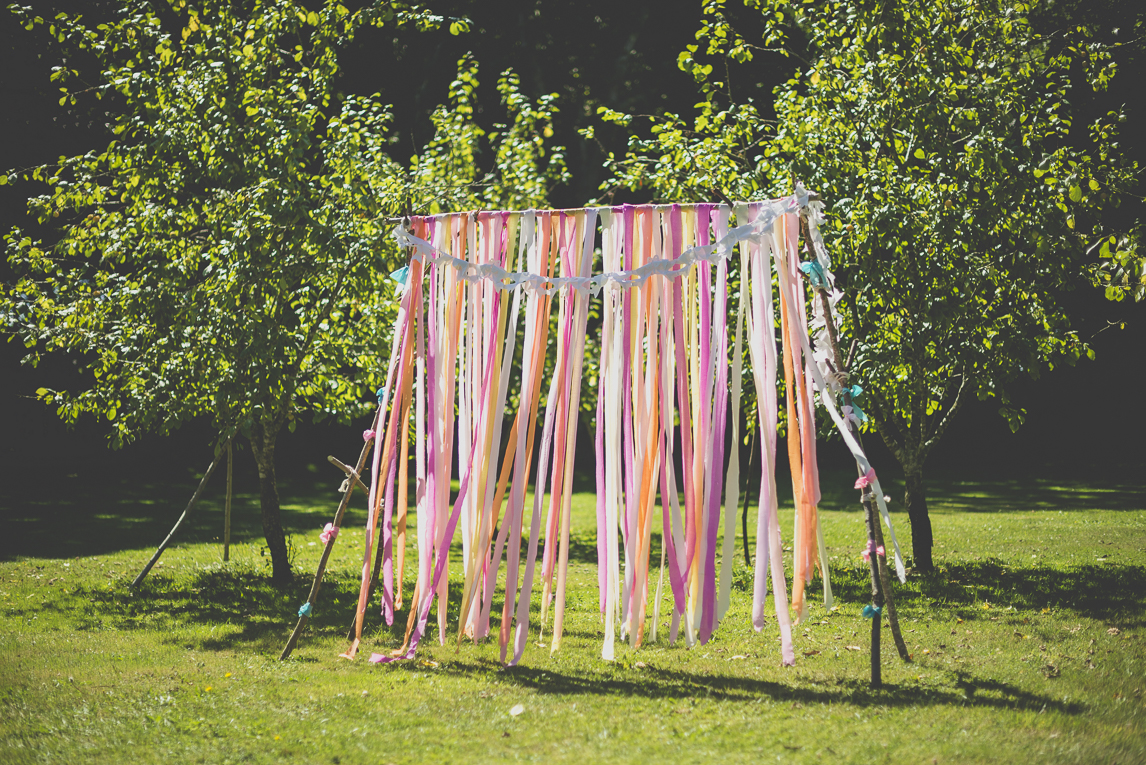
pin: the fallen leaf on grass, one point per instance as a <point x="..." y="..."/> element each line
<point x="516" y="710"/>
<point x="810" y="653"/>
<point x="853" y="647"/>
<point x="1113" y="631"/>
<point x="1050" y="671"/>
<point x="737" y="656"/>
<point x="640" y="665"/>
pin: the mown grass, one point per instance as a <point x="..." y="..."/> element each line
<point x="1027" y="647"/>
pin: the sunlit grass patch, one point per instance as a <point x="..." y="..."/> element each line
<point x="1027" y="646"/>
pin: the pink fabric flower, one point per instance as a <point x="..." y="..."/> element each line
<point x="367" y="435"/>
<point x="866" y="479"/>
<point x="329" y="532"/>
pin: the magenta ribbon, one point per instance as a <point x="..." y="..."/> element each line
<point x="451" y="526"/>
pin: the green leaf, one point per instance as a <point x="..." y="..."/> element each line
<point x="1075" y="193"/>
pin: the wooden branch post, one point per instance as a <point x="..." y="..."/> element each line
<point x="881" y="594"/>
<point x="174" y="529"/>
<point x="352" y="480"/>
<point x="227" y="506"/>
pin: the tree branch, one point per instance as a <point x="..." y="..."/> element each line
<point x="941" y="427"/>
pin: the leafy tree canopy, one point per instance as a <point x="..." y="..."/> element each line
<point x="963" y="196"/>
<point x="227" y="254"/>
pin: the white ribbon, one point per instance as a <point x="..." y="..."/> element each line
<point x="720" y="250"/>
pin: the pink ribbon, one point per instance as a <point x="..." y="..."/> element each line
<point x="329" y="532"/>
<point x="367" y="435"/>
<point x="866" y="479"/>
<point x="867" y="552"/>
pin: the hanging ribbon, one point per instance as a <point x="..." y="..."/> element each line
<point x="663" y="384"/>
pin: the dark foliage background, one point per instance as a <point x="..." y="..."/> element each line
<point x="1083" y="420"/>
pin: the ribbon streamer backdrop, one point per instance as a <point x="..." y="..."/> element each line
<point x="667" y="390"/>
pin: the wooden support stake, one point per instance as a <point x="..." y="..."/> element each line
<point x="877" y="592"/>
<point x="227" y="506"/>
<point x="352" y="475"/>
<point x="174" y="529"/>
<point x="880" y="570"/>
<point x="353" y="481"/>
<point x="880" y="581"/>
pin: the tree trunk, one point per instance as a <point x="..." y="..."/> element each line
<point x="915" y="499"/>
<point x="263" y="447"/>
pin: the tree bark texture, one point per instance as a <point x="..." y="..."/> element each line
<point x="263" y="447"/>
<point x="915" y="500"/>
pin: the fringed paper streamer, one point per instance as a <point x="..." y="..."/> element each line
<point x="534" y="350"/>
<point x="657" y="333"/>
<point x="503" y="279"/>
<point x="664" y="361"/>
<point x="732" y="478"/>
<point x="397" y="371"/>
<point x="565" y="233"/>
<point x="488" y="500"/>
<point x="579" y="256"/>
<point x="827" y="399"/>
<point x="801" y="426"/>
<point x="762" y="351"/>
<point x="609" y="462"/>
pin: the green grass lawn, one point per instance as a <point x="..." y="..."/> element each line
<point x="1028" y="647"/>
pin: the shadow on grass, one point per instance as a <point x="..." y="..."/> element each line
<point x="679" y="686"/>
<point x="236" y="608"/>
<point x="997" y="496"/>
<point x="946" y="494"/>
<point x="73" y="520"/>
<point x="258" y="616"/>
<point x="1108" y="592"/>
